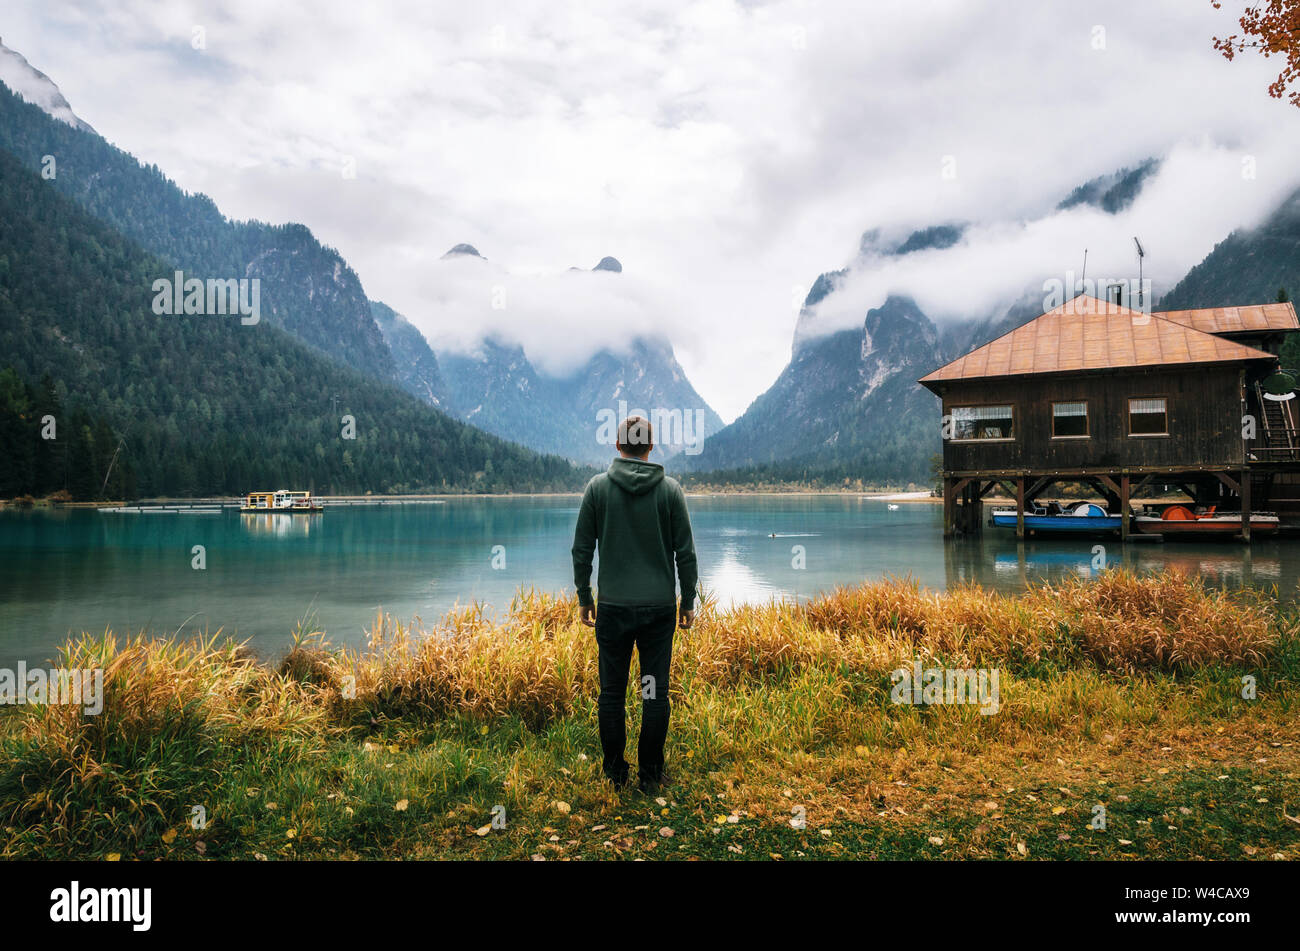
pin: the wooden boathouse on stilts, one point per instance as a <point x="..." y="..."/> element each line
<point x="1123" y="401"/>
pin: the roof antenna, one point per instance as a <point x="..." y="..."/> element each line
<point x="1084" y="276"/>
<point x="1141" y="255"/>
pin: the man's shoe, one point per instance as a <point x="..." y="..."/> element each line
<point x="652" y="784"/>
<point x="618" y="780"/>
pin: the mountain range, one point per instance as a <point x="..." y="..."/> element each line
<point x="847" y="408"/>
<point x="496" y="387"/>
<point x="308" y="290"/>
<point x="219" y="408"/>
<point x="190" y="404"/>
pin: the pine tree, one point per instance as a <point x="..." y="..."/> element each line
<point x="48" y="415"/>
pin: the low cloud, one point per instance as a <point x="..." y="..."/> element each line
<point x="561" y="318"/>
<point x="1200" y="193"/>
<point x="726" y="152"/>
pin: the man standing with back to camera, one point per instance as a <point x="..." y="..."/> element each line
<point x="638" y="516"/>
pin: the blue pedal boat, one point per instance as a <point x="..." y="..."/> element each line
<point x="1080" y="519"/>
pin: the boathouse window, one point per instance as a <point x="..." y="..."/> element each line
<point x="1069" y="420"/>
<point x="1148" y="417"/>
<point x="982" y="422"/>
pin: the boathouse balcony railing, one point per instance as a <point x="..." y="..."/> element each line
<point x="1279" y="453"/>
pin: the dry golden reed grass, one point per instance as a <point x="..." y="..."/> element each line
<point x="538" y="663"/>
<point x="1122" y="621"/>
<point x="183" y="706"/>
<point x="154" y="688"/>
<point x="1166" y="622"/>
<point x="185" y="716"/>
<point x="528" y="665"/>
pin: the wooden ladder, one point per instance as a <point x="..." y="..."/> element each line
<point x="1279" y="424"/>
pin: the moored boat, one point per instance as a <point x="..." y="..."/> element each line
<point x="1182" y="520"/>
<point x="1080" y="518"/>
<point x="281" y="500"/>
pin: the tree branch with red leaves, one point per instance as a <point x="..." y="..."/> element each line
<point x="1273" y="28"/>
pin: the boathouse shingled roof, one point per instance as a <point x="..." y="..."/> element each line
<point x="1233" y="320"/>
<point x="1089" y="334"/>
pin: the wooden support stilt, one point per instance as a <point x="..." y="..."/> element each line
<point x="1106" y="482"/>
<point x="1141" y="484"/>
<point x="1020" y="507"/>
<point x="1032" y="492"/>
<point x="1123" y="508"/>
<point x="949" y="515"/>
<point x="1245" y="506"/>
<point x="1228" y="481"/>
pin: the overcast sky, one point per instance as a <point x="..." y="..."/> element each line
<point x="726" y="153"/>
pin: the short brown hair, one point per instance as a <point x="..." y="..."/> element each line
<point x="635" y="436"/>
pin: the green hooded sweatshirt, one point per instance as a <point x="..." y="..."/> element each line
<point x="638" y="515"/>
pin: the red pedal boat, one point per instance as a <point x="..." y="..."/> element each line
<point x="1182" y="520"/>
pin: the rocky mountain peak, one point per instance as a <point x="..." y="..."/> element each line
<point x="37" y="88"/>
<point x="467" y="250"/>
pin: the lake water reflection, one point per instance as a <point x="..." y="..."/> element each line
<point x="69" y="571"/>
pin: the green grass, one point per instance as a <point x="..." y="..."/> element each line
<point x="779" y="711"/>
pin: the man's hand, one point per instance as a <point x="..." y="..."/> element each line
<point x="588" y="615"/>
<point x="685" y="619"/>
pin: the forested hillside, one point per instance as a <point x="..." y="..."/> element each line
<point x="204" y="404"/>
<point x="1246" y="267"/>
<point x="49" y="450"/>
<point x="305" y="287"/>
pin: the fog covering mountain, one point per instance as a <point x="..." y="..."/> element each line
<point x="646" y="378"/>
<point x="198" y="404"/>
<point x="310" y="291"/>
<point x="37" y="88"/>
<point x="496" y="387"/>
<point x="306" y="288"/>
<point x="847" y="406"/>
<point x="1247" y="266"/>
<point x="1114" y="192"/>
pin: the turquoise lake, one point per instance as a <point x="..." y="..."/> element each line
<point x="69" y="571"/>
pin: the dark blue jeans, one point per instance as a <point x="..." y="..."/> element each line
<point x="650" y="630"/>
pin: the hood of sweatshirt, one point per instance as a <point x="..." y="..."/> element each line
<point x="635" y="476"/>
